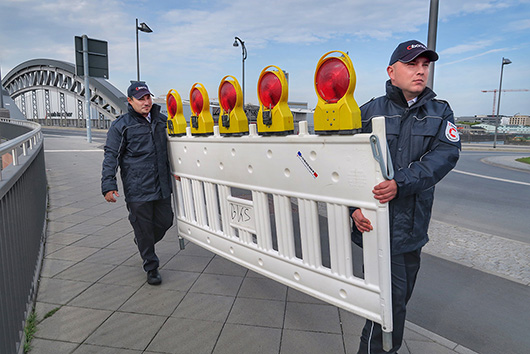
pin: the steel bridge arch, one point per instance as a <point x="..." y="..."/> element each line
<point x="53" y="89"/>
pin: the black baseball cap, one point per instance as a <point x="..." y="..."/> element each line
<point x="138" y="89"/>
<point x="410" y="50"/>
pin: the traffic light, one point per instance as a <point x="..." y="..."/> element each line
<point x="336" y="111"/>
<point x="232" y="119"/>
<point x="176" y="122"/>
<point x="201" y="121"/>
<point x="274" y="116"/>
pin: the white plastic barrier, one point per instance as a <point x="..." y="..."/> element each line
<point x="280" y="174"/>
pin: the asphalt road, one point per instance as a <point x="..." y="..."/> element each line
<point x="483" y="312"/>
<point x="491" y="206"/>
<point x="480" y="311"/>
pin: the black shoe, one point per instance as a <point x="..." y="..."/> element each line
<point x="153" y="277"/>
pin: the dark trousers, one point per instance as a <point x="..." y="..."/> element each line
<point x="404" y="269"/>
<point x="150" y="221"/>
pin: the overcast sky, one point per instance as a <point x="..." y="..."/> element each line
<point x="192" y="42"/>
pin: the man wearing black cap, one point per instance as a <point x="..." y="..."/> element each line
<point x="424" y="146"/>
<point x="137" y="144"/>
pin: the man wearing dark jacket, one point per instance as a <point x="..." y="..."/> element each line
<point x="137" y="144"/>
<point x="424" y="145"/>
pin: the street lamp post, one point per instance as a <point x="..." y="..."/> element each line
<point x="144" y="28"/>
<point x="505" y="61"/>
<point x="244" y="54"/>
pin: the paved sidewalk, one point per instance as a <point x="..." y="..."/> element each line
<point x="93" y="296"/>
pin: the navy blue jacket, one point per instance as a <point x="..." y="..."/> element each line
<point x="424" y="146"/>
<point x="139" y="148"/>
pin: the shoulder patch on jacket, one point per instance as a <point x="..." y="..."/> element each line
<point x="451" y="132"/>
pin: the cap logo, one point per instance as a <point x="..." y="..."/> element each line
<point x="141" y="88"/>
<point x="412" y="46"/>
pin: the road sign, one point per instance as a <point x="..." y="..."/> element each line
<point x="98" y="59"/>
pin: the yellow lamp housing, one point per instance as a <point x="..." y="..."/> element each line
<point x="201" y="120"/>
<point x="336" y="111"/>
<point x="176" y="122"/>
<point x="274" y="116"/>
<point x="232" y="120"/>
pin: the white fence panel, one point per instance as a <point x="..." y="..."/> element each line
<point x="235" y="196"/>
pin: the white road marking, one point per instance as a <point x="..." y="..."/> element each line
<point x="493" y="178"/>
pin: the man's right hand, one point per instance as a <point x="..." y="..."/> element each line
<point x="362" y="223"/>
<point x="109" y="197"/>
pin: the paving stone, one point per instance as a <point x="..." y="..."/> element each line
<point x="71" y="324"/>
<point x="427" y="347"/>
<point x="87" y="272"/>
<point x="220" y="265"/>
<point x="187" y="263"/>
<point x="351" y="323"/>
<point x="60" y="291"/>
<point x="52" y="267"/>
<point x="94" y="242"/>
<point x="72" y="253"/>
<point x="204" y="307"/>
<point x="123" y="275"/>
<point x="84" y="228"/>
<point x="45" y="346"/>
<point x="256" y="312"/>
<point x="217" y="284"/>
<point x="294" y="295"/>
<point x="194" y="250"/>
<point x="104" y="296"/>
<point x="109" y="256"/>
<point x="63" y="238"/>
<point x="310" y="342"/>
<point x="142" y="301"/>
<point x="95" y="349"/>
<point x="248" y="339"/>
<point x="312" y="317"/>
<point x="262" y="288"/>
<point x="43" y="308"/>
<point x="175" y="280"/>
<point x="186" y="336"/>
<point x="127" y="330"/>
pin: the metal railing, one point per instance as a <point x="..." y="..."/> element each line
<point x="22" y="225"/>
<point x="72" y="123"/>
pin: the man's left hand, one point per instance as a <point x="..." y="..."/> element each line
<point x="385" y="191"/>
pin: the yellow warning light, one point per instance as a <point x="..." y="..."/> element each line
<point x="232" y="120"/>
<point x="201" y="120"/>
<point x="336" y="111"/>
<point x="274" y="116"/>
<point x="176" y="122"/>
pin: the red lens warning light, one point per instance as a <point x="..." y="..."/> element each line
<point x="270" y="90"/>
<point x="332" y="80"/>
<point x="171" y="106"/>
<point x="197" y="101"/>
<point x="228" y="96"/>
<point x="274" y="116"/>
<point x="336" y="111"/>
<point x="176" y="122"/>
<point x="232" y="119"/>
<point x="201" y="121"/>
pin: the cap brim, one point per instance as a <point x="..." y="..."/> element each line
<point x="429" y="54"/>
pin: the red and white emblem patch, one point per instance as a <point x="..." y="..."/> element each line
<point x="451" y="133"/>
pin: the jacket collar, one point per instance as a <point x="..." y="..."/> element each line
<point x="395" y="94"/>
